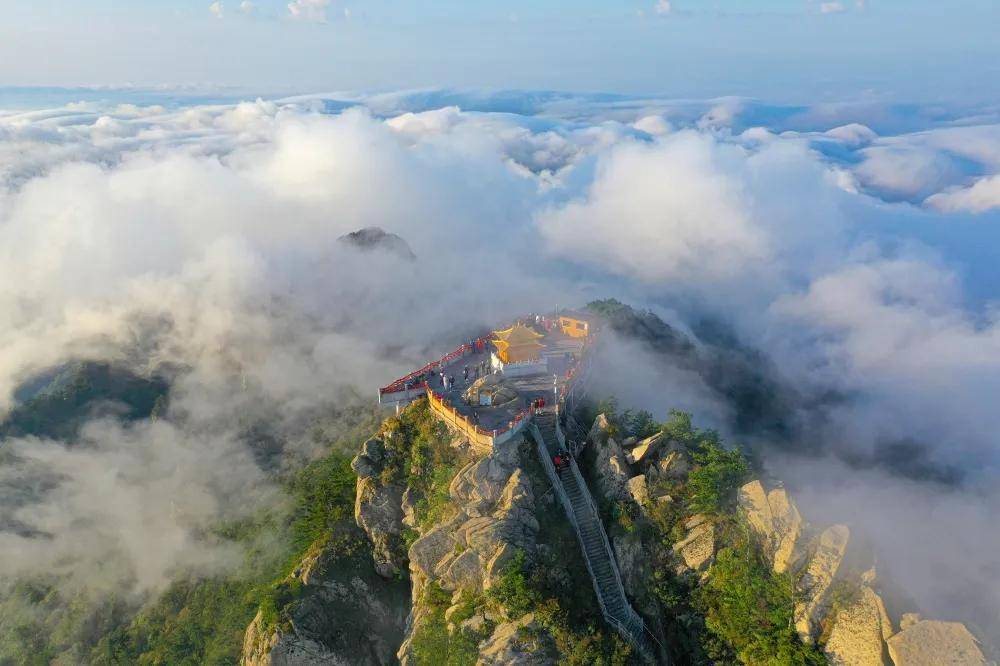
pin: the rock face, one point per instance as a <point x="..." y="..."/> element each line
<point x="494" y="519"/>
<point x="611" y="466"/>
<point x="817" y="579"/>
<point x="344" y="614"/>
<point x="776" y="522"/>
<point x="697" y="548"/>
<point x="378" y="509"/>
<point x="858" y="632"/>
<point x="515" y="642"/>
<point x="934" y="643"/>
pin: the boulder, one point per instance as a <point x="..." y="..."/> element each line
<point x="776" y="522"/>
<point x="496" y="520"/>
<point x="819" y="576"/>
<point x="646" y="449"/>
<point x="857" y="634"/>
<point x="697" y="548"/>
<point x="610" y="463"/>
<point x="481" y="482"/>
<point x="788" y="530"/>
<point x="638" y="489"/>
<point x="674" y="466"/>
<point x="752" y="498"/>
<point x="516" y="507"/>
<point x="935" y="643"/>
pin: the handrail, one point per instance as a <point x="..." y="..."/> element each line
<point x="550" y="470"/>
<point x="632" y="615"/>
<point x="635" y="624"/>
<point x="461" y="350"/>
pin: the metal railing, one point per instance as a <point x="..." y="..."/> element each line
<point x="633" y="629"/>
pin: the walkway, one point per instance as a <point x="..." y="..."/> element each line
<point x="559" y="352"/>
<point x="582" y="512"/>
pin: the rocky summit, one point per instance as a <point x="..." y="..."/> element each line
<point x="496" y="574"/>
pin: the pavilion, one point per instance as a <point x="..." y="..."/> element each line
<point x="518" y="351"/>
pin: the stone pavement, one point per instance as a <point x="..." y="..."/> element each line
<point x="558" y="351"/>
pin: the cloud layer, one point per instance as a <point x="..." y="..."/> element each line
<point x="204" y="239"/>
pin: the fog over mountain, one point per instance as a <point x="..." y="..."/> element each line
<point x="200" y="243"/>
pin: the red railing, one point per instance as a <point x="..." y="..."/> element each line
<point x="401" y="383"/>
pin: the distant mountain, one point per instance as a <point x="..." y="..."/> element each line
<point x="55" y="403"/>
<point x="371" y="239"/>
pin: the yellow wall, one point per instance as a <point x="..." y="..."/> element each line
<point x="573" y="327"/>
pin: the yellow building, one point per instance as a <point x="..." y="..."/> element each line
<point x="518" y="344"/>
<point x="576" y="324"/>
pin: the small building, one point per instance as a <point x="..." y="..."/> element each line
<point x="518" y="351"/>
<point x="577" y="324"/>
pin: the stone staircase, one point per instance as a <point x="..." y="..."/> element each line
<point x="580" y="509"/>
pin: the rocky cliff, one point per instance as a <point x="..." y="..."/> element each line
<point x="838" y="605"/>
<point x="494" y="573"/>
<point x="333" y="609"/>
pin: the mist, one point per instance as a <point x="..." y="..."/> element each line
<point x="202" y="242"/>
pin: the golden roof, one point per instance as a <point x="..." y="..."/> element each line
<point x="518" y="343"/>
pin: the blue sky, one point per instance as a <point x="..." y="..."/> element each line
<point x="777" y="49"/>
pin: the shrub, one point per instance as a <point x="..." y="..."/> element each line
<point x="714" y="481"/>
<point x="432" y="643"/>
<point x="512" y="592"/>
<point x="750" y="608"/>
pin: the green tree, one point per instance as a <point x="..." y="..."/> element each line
<point x="714" y="481"/>
<point x="750" y="608"/>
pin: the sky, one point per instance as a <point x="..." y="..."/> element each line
<point x="918" y="50"/>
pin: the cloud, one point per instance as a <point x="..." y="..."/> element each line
<point x="203" y="239"/>
<point x="309" y="10"/>
<point x="901" y="171"/>
<point x="981" y="196"/>
<point x="216" y="9"/>
<point x="140" y="498"/>
<point x="247" y="7"/>
<point x="662" y="7"/>
<point x="832" y="7"/>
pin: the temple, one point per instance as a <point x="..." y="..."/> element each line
<point x="518" y="351"/>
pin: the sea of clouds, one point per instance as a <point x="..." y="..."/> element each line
<point x="853" y="244"/>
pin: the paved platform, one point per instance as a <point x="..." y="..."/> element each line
<point x="561" y="352"/>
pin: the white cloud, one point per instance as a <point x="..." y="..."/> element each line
<point x="309" y="10"/>
<point x="981" y="196"/>
<point x="663" y="7"/>
<point x="205" y="239"/>
<point x="906" y="171"/>
<point x="654" y="125"/>
<point x="216" y="9"/>
<point x="832" y="7"/>
<point x="247" y="7"/>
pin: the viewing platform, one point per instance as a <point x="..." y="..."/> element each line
<point x="495" y="382"/>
